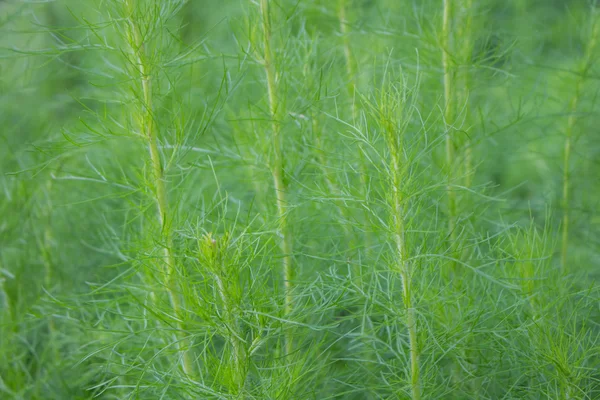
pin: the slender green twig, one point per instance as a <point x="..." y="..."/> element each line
<point x="277" y="167"/>
<point x="150" y="133"/>
<point x="351" y="87"/>
<point x="405" y="270"/>
<point x="449" y="114"/>
<point x="390" y="106"/>
<point x="465" y="38"/>
<point x="341" y="10"/>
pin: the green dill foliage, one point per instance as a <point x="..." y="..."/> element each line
<point x="393" y="113"/>
<point x="314" y="199"/>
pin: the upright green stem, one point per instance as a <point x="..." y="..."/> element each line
<point x="277" y="168"/>
<point x="456" y="87"/>
<point x="347" y="55"/>
<point x="465" y="35"/>
<point x="449" y="114"/>
<point x="149" y="130"/>
<point x="351" y="88"/>
<point x="586" y="63"/>
<point x="404" y="267"/>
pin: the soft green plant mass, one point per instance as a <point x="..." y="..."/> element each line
<point x="299" y="199"/>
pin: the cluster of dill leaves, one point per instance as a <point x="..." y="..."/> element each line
<point x="299" y="199"/>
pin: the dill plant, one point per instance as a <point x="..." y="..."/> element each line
<point x="548" y="324"/>
<point x="278" y="168"/>
<point x="197" y="163"/>
<point x="131" y="44"/>
<point x="465" y="39"/>
<point x="388" y="108"/>
<point x="395" y="153"/>
<point x="138" y="36"/>
<point x="457" y="52"/>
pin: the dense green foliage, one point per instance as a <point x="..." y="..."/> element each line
<point x="299" y="199"/>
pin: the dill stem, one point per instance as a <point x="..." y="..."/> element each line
<point x="448" y="109"/>
<point x="148" y="128"/>
<point x="347" y="55"/>
<point x="404" y="268"/>
<point x="569" y="138"/>
<point x="277" y="169"/>
<point x="448" y="116"/>
<point x="351" y="88"/>
<point x="465" y="33"/>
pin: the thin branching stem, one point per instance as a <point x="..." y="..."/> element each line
<point x="150" y="133"/>
<point x="351" y="87"/>
<point x="277" y="168"/>
<point x="449" y="114"/>
<point x="398" y="168"/>
<point x="350" y="71"/>
<point x="404" y="268"/>
<point x="465" y="38"/>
